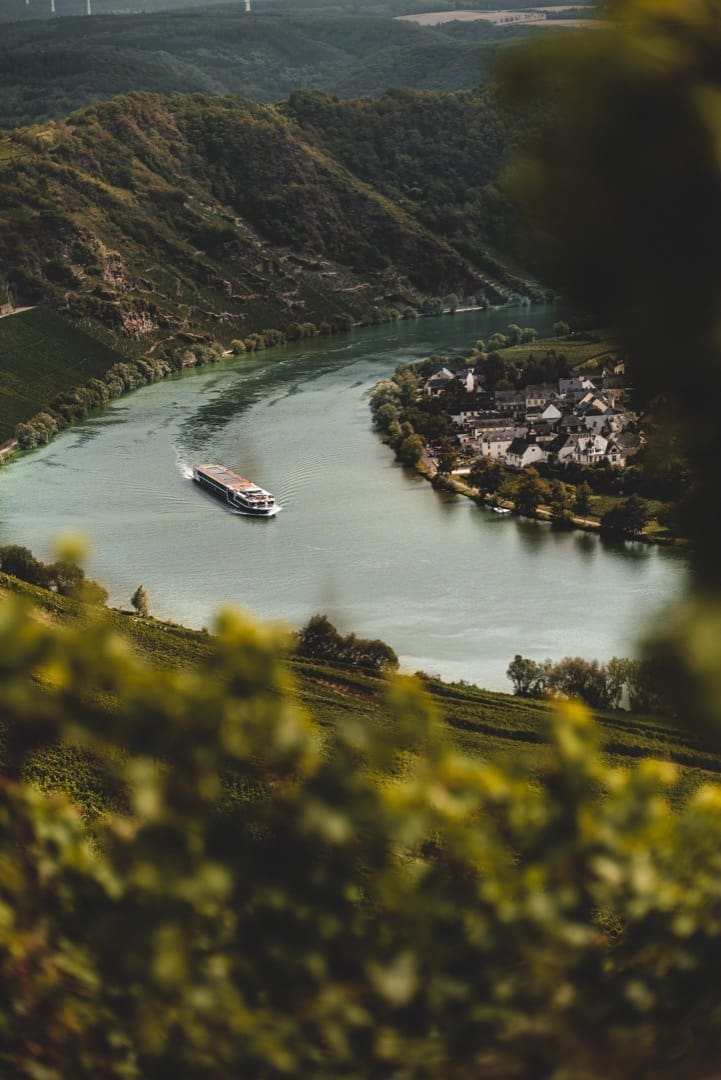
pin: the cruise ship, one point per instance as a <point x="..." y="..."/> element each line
<point x="238" y="493"/>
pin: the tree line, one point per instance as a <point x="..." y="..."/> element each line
<point x="64" y="576"/>
<point x="127" y="375"/>
<point x="602" y="686"/>
<point x="319" y="640"/>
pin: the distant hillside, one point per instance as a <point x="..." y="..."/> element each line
<point x="158" y="217"/>
<point x="50" y="68"/>
<point x="15" y="10"/>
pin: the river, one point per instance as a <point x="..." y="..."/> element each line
<point x="455" y="589"/>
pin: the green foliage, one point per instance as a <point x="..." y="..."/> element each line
<point x="530" y="492"/>
<point x="411" y="450"/>
<point x="50" y="69"/>
<point x="42" y="354"/>
<point x="602" y="686"/>
<point x="627" y="518"/>
<point x="178" y="220"/>
<point x="528" y="677"/>
<point x="582" y="499"/>
<point x="64" y="577"/>
<point x="487" y="475"/>
<point x="287" y="895"/>
<point x="319" y="640"/>
<point x="140" y="601"/>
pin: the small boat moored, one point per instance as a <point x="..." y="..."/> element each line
<point x="239" y="494"/>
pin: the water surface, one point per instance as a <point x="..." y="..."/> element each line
<point x="457" y="590"/>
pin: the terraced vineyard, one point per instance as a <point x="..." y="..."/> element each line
<point x="482" y="723"/>
<point x="42" y="354"/>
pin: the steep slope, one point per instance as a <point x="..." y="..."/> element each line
<point x="437" y="155"/>
<point x="159" y="216"/>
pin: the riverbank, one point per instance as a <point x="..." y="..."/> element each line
<point x="542" y="429"/>
<point x="56" y="345"/>
<point x="544" y="514"/>
<point x="357" y="537"/>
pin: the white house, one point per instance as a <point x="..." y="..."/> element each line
<point x="590" y="449"/>
<point x="522" y="453"/>
<point x="495" y="443"/>
<point x="466" y="417"/>
<point x="550" y="412"/>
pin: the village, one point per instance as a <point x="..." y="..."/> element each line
<point x="580" y="420"/>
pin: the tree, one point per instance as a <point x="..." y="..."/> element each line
<point x="384" y="392"/>
<point x="515" y="333"/>
<point x="66" y="577"/>
<point x="628" y="518"/>
<point x="385" y="417"/>
<point x="528" y="335"/>
<point x="530" y="492"/>
<point x="20" y="562"/>
<point x="486" y="474"/>
<point x="582" y="679"/>
<point x="320" y="640"/>
<point x="560" y="503"/>
<point x="582" y="500"/>
<point x="447" y="461"/>
<point x="497" y="341"/>
<point x="528" y="677"/>
<point x="561" y="329"/>
<point x="93" y="593"/>
<point x="140" y="601"/>
<point x="618" y="676"/>
<point x="411" y="450"/>
<point x="407" y="383"/>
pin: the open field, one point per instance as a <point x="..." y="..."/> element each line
<point x="541" y="16"/>
<point x="42" y="354"/>
<point x="581" y="350"/>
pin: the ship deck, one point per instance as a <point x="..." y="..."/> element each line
<point x="229" y="479"/>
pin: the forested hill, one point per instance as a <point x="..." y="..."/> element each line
<point x="158" y="215"/>
<point x="50" y="68"/>
<point x="437" y="155"/>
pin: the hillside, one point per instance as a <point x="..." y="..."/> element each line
<point x="437" y="155"/>
<point x="41" y="354"/>
<point x="51" y="67"/>
<point x="483" y="724"/>
<point x="157" y="216"/>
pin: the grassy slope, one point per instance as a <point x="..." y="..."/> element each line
<point x="482" y="723"/>
<point x="42" y="354"/>
<point x="587" y="351"/>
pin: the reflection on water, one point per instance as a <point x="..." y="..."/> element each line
<point x="453" y="587"/>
